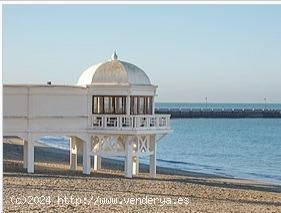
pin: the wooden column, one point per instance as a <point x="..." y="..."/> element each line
<point x="128" y="105"/>
<point x="25" y="154"/>
<point x="97" y="162"/>
<point x="129" y="159"/>
<point x="73" y="153"/>
<point x="30" y="155"/>
<point x="152" y="157"/>
<point x="135" y="165"/>
<point x="86" y="157"/>
<point x="153" y="105"/>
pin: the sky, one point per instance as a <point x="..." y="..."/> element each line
<point x="228" y="53"/>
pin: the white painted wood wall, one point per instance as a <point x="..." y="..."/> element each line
<point x="33" y="111"/>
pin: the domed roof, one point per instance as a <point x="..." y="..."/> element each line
<point x="114" y="71"/>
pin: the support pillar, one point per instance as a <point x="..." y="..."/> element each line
<point x="86" y="157"/>
<point x="30" y="155"/>
<point x="97" y="162"/>
<point x="129" y="160"/>
<point x="152" y="157"/>
<point x="135" y="165"/>
<point x="125" y="165"/>
<point x="25" y="154"/>
<point x="73" y="153"/>
<point x="128" y="105"/>
<point x="153" y="105"/>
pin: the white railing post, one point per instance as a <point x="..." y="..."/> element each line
<point x="119" y="122"/>
<point x="157" y="121"/>
<point x="136" y="122"/>
<point x="105" y="122"/>
<point x="132" y="121"/>
<point x="91" y="122"/>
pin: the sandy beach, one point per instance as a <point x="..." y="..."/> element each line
<point x="53" y="188"/>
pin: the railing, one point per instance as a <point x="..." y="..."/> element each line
<point x="130" y="122"/>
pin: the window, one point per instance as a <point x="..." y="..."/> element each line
<point x="109" y="104"/>
<point x="120" y="105"/>
<point x="141" y="105"/>
<point x="149" y="105"/>
<point x="97" y="105"/>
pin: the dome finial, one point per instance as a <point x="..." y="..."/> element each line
<point x="114" y="56"/>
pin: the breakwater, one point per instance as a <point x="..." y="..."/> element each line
<point x="219" y="113"/>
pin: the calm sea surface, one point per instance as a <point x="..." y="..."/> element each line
<point x="243" y="148"/>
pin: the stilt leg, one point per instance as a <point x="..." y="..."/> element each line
<point x="86" y="157"/>
<point x="30" y="156"/>
<point x="25" y="154"/>
<point x="129" y="160"/>
<point x="152" y="158"/>
<point x="135" y="165"/>
<point x="97" y="163"/>
<point x="125" y="165"/>
<point x="73" y="154"/>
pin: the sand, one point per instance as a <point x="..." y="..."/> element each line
<point x="53" y="188"/>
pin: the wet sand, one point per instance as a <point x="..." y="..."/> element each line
<point x="53" y="188"/>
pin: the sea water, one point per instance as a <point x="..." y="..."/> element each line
<point x="241" y="148"/>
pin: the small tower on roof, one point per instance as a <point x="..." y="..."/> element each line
<point x="114" y="56"/>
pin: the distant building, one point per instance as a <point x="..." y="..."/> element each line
<point x="110" y="112"/>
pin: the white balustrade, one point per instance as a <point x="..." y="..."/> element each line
<point x="130" y="122"/>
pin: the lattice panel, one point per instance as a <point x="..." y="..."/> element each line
<point x="143" y="143"/>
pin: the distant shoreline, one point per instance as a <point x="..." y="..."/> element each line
<point x="219" y="113"/>
<point x="213" y="105"/>
<point x="227" y="103"/>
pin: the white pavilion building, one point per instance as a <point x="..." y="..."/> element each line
<point x="110" y="112"/>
